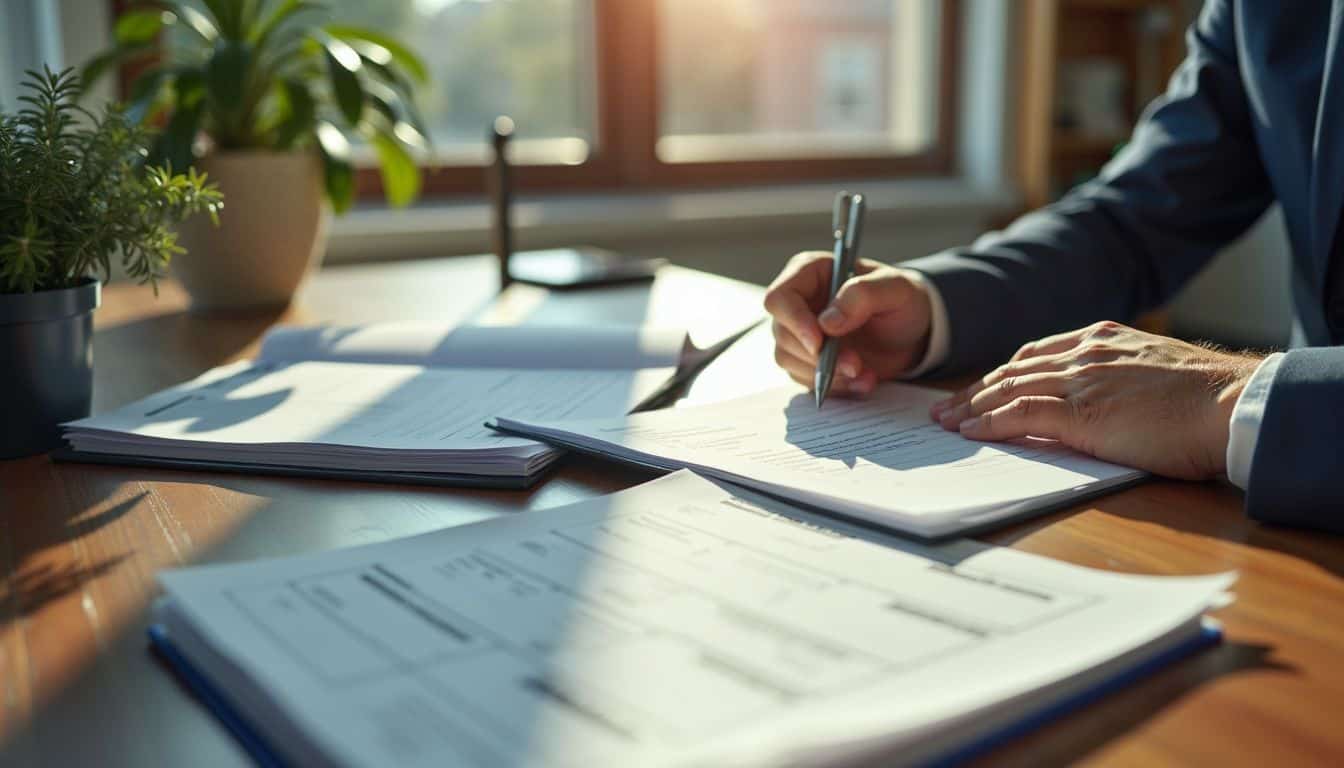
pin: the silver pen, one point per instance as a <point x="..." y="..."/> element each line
<point x="847" y="225"/>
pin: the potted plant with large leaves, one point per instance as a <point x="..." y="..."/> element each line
<point x="75" y="193"/>
<point x="260" y="95"/>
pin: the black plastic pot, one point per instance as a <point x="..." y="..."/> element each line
<point x="46" y="365"/>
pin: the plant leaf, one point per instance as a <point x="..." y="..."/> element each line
<point x="227" y="15"/>
<point x="339" y="173"/>
<point x="226" y="73"/>
<point x="343" y="66"/>
<point x="287" y="8"/>
<point x="138" y="27"/>
<point x="174" y="146"/>
<point x="402" y="55"/>
<point x="301" y="110"/>
<point x="401" y="176"/>
<point x="248" y="13"/>
<point x="384" y="100"/>
<point x="393" y="107"/>
<point x="198" y="22"/>
<point x="401" y="89"/>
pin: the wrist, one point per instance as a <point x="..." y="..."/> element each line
<point x="929" y="316"/>
<point x="1227" y="389"/>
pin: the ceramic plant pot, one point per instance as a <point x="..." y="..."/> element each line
<point x="46" y="365"/>
<point x="272" y="231"/>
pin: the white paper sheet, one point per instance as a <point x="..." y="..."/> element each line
<point x="881" y="459"/>
<point x="353" y="416"/>
<point x="677" y="623"/>
<point x="593" y="347"/>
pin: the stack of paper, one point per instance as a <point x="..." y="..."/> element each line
<point x="681" y="622"/>
<point x="881" y="459"/>
<point x="344" y="416"/>
<point x="400" y="403"/>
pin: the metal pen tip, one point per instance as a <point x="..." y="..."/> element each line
<point x="819" y="390"/>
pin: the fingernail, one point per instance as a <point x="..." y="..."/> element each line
<point x="969" y="424"/>
<point x="832" y="317"/>
<point x="812" y="343"/>
<point x="939" y="407"/>
<point x="849" y="369"/>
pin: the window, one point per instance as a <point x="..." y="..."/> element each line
<point x="28" y="38"/>
<point x="612" y="94"/>
<point x="529" y="59"/>
<point x="796" y="78"/>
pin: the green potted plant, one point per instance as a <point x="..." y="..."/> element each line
<point x="72" y="197"/>
<point x="259" y="94"/>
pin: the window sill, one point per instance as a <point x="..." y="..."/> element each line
<point x="440" y="229"/>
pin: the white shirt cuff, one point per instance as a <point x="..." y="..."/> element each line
<point x="940" y="337"/>
<point x="1244" y="431"/>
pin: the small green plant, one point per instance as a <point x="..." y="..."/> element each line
<point x="74" y="196"/>
<point x="269" y="74"/>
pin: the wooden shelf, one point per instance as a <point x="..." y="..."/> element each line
<point x="1054" y="34"/>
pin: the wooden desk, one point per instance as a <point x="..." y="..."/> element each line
<point x="79" y="547"/>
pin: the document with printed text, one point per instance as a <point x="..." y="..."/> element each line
<point x="682" y="622"/>
<point x="347" y="416"/>
<point x="395" y="402"/>
<point x="880" y="459"/>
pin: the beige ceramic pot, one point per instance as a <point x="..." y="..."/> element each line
<point x="272" y="231"/>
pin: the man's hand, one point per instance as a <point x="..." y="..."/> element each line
<point x="1113" y="392"/>
<point x="881" y="316"/>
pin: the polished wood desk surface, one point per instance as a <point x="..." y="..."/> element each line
<point x="80" y="546"/>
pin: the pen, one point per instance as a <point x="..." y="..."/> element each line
<point x="846" y="223"/>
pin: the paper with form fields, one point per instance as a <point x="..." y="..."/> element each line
<point x="880" y="459"/>
<point x="367" y="417"/>
<point x="681" y="622"/>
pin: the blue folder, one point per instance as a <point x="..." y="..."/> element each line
<point x="266" y="756"/>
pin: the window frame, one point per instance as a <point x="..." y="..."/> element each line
<point x="624" y="156"/>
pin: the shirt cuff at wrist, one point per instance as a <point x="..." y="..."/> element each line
<point x="940" y="337"/>
<point x="1244" y="430"/>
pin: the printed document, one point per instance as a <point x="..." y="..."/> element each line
<point x="682" y="622"/>
<point x="400" y="402"/>
<point x="880" y="459"/>
<point x="355" y="416"/>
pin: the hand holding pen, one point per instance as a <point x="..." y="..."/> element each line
<point x="879" y="316"/>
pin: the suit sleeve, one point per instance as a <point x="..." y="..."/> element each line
<point x="1189" y="181"/>
<point x="1296" y="469"/>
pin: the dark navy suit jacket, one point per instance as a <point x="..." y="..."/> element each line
<point x="1254" y="115"/>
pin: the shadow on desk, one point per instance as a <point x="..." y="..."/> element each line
<point x="31" y="589"/>
<point x="33" y="583"/>
<point x="140" y="357"/>
<point x="1075" y="737"/>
